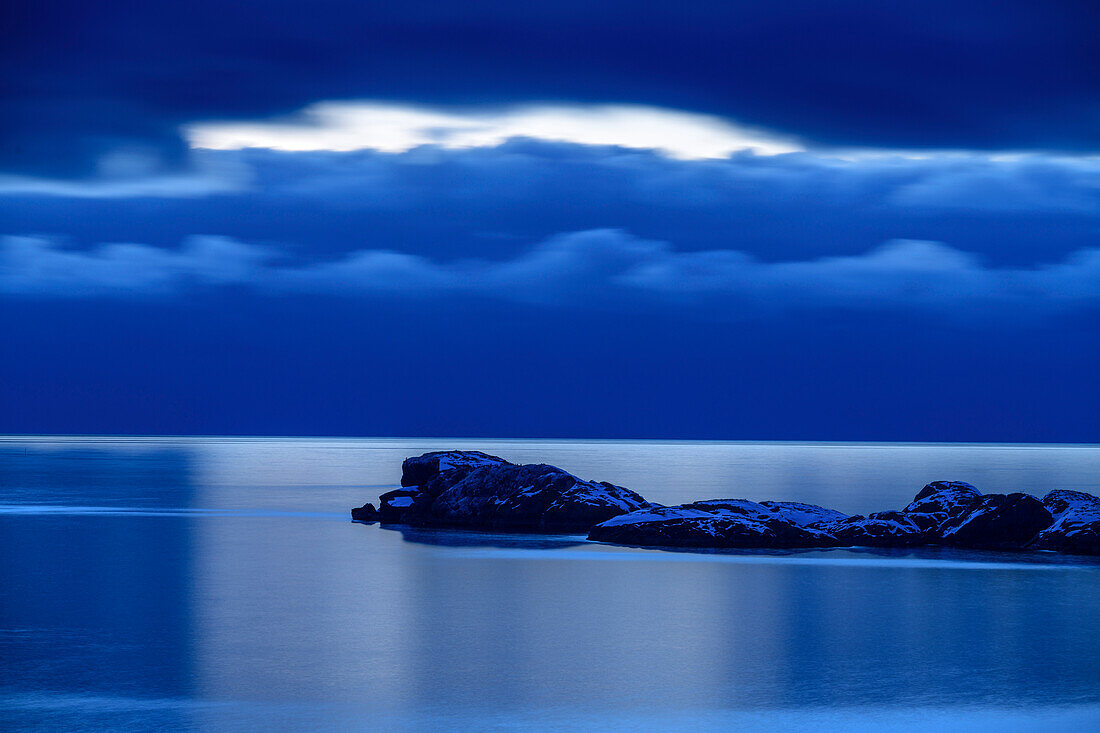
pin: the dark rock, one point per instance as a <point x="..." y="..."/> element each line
<point x="420" y="470"/>
<point x="721" y="523"/>
<point x="474" y="490"/>
<point x="802" y="514"/>
<point x="1060" y="501"/>
<point x="393" y="505"/>
<point x="1076" y="526"/>
<point x="365" y="513"/>
<point x="997" y="522"/>
<point x="918" y="524"/>
<point x="927" y="523"/>
<point x="948" y="498"/>
<point x="882" y="529"/>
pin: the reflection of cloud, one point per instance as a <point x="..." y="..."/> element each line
<point x="395" y="127"/>
<point x="602" y="267"/>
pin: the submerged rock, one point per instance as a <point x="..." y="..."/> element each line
<point x="1076" y="525"/>
<point x="721" y="523"/>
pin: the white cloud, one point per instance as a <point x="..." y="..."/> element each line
<point x="394" y="127"/>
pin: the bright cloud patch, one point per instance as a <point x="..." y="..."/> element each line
<point x="598" y="268"/>
<point x="391" y="127"/>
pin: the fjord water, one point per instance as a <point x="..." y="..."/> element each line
<point x="218" y="584"/>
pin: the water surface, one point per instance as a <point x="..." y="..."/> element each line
<point x="218" y="584"/>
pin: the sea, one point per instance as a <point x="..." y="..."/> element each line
<point x="162" y="583"/>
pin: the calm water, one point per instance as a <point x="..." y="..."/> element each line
<point x="218" y="584"/>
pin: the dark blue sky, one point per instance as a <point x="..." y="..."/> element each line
<point x="548" y="220"/>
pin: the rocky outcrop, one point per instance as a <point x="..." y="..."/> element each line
<point x="918" y="523"/>
<point x="997" y="522"/>
<point x="882" y="529"/>
<point x="944" y="500"/>
<point x="475" y="490"/>
<point x="720" y="524"/>
<point x="365" y="513"/>
<point x="420" y="470"/>
<point x="393" y="504"/>
<point x="949" y="513"/>
<point x="1076" y="525"/>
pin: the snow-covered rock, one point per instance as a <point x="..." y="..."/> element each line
<point x="918" y="523"/>
<point x="721" y="523"/>
<point x="802" y="514"/>
<point x="421" y="469"/>
<point x="881" y="529"/>
<point x="949" y="498"/>
<point x="479" y="491"/>
<point x="997" y="522"/>
<point x="475" y="490"/>
<point x="1076" y="526"/>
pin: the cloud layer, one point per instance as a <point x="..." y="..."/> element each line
<point x="392" y="127"/>
<point x="491" y="202"/>
<point x="604" y="268"/>
<point x="1010" y="74"/>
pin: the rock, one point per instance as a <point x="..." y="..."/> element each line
<point x="365" y="513"/>
<point x="802" y="514"/>
<point x="422" y="469"/>
<point x="475" y="490"/>
<point x="997" y="522"/>
<point x="393" y="505"/>
<point x="949" y="498"/>
<point x="721" y="523"/>
<point x="1060" y="501"/>
<point x="882" y="529"/>
<point x="918" y="523"/>
<point x="1076" y="526"/>
<point x="478" y="491"/>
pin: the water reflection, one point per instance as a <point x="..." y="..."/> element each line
<point x="263" y="606"/>
<point x="99" y="605"/>
<point x="415" y="627"/>
<point x="465" y="538"/>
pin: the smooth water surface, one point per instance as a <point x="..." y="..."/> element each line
<point x="218" y="584"/>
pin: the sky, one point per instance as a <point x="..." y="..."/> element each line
<point x="710" y="220"/>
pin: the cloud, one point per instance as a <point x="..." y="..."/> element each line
<point x="900" y="275"/>
<point x="31" y="266"/>
<point x="203" y="176"/>
<point x="445" y="204"/>
<point x="395" y="127"/>
<point x="603" y="269"/>
<point x="930" y="74"/>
